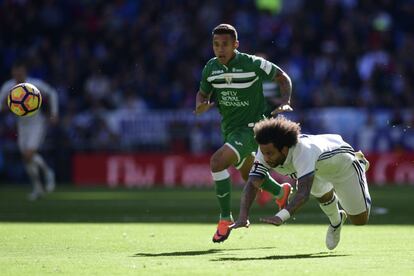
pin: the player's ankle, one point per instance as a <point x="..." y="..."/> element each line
<point x="228" y="218"/>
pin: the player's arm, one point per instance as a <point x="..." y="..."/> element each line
<point x="301" y="197"/>
<point x="202" y="102"/>
<point x="52" y="95"/>
<point x="249" y="194"/>
<point x="3" y="95"/>
<point x="285" y="85"/>
<point x="257" y="175"/>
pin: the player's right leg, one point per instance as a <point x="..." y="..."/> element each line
<point x="33" y="172"/>
<point x="353" y="193"/>
<point x="329" y="205"/>
<point x="220" y="161"/>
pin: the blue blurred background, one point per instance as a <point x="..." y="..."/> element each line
<point x="127" y="73"/>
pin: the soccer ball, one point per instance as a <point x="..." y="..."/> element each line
<point x="24" y="99"/>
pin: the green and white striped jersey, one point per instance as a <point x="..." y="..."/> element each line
<point x="237" y="89"/>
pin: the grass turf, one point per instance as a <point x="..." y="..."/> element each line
<point x="168" y="232"/>
<point x="186" y="249"/>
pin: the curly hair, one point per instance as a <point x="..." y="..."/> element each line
<point x="279" y="131"/>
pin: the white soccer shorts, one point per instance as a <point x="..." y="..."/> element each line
<point x="30" y="134"/>
<point x="346" y="175"/>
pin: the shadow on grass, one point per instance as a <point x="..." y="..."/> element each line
<point x="283" y="257"/>
<point x="194" y="253"/>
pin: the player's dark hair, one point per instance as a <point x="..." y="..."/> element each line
<point x="279" y="131"/>
<point x="225" y="29"/>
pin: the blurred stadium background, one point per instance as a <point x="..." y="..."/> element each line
<point x="127" y="73"/>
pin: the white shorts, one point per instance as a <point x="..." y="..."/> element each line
<point x="30" y="133"/>
<point x="346" y="175"/>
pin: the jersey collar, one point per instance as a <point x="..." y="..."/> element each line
<point x="234" y="60"/>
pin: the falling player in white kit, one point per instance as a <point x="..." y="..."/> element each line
<point x="324" y="165"/>
<point x="31" y="131"/>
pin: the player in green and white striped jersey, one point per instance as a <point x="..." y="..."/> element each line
<point x="233" y="82"/>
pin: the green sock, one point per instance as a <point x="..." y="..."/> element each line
<point x="270" y="185"/>
<point x="223" y="193"/>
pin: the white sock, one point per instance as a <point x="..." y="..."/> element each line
<point x="331" y="209"/>
<point x="33" y="172"/>
<point x="38" y="159"/>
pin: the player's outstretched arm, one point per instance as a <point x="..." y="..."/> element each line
<point x="3" y="95"/>
<point x="285" y="85"/>
<point x="202" y="103"/>
<point x="301" y="197"/>
<point x="246" y="201"/>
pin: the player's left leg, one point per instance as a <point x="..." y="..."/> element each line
<point x="353" y="193"/>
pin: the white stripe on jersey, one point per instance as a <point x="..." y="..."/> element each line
<point x="344" y="149"/>
<point x="232" y="75"/>
<point x="266" y="66"/>
<point x="234" y="85"/>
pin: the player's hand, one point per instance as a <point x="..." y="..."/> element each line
<point x="240" y="223"/>
<point x="203" y="107"/>
<point x="275" y="220"/>
<point x="282" y="108"/>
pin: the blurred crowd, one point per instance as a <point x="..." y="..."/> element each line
<point x="148" y="55"/>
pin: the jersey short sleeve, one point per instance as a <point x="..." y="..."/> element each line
<point x="50" y="92"/>
<point x="304" y="159"/>
<point x="205" y="86"/>
<point x="264" y="68"/>
<point x="260" y="167"/>
<point x="4" y="90"/>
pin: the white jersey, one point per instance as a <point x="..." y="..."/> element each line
<point x="45" y="90"/>
<point x="303" y="157"/>
<point x="333" y="162"/>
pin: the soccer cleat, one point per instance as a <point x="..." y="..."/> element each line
<point x="287" y="190"/>
<point x="334" y="232"/>
<point x="35" y="195"/>
<point x="50" y="181"/>
<point x="223" y="230"/>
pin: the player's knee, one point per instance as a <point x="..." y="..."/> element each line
<point x="244" y="172"/>
<point x="360" y="219"/>
<point x="326" y="197"/>
<point x="216" y="164"/>
<point x="27" y="156"/>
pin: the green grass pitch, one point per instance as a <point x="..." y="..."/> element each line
<point x="168" y="232"/>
